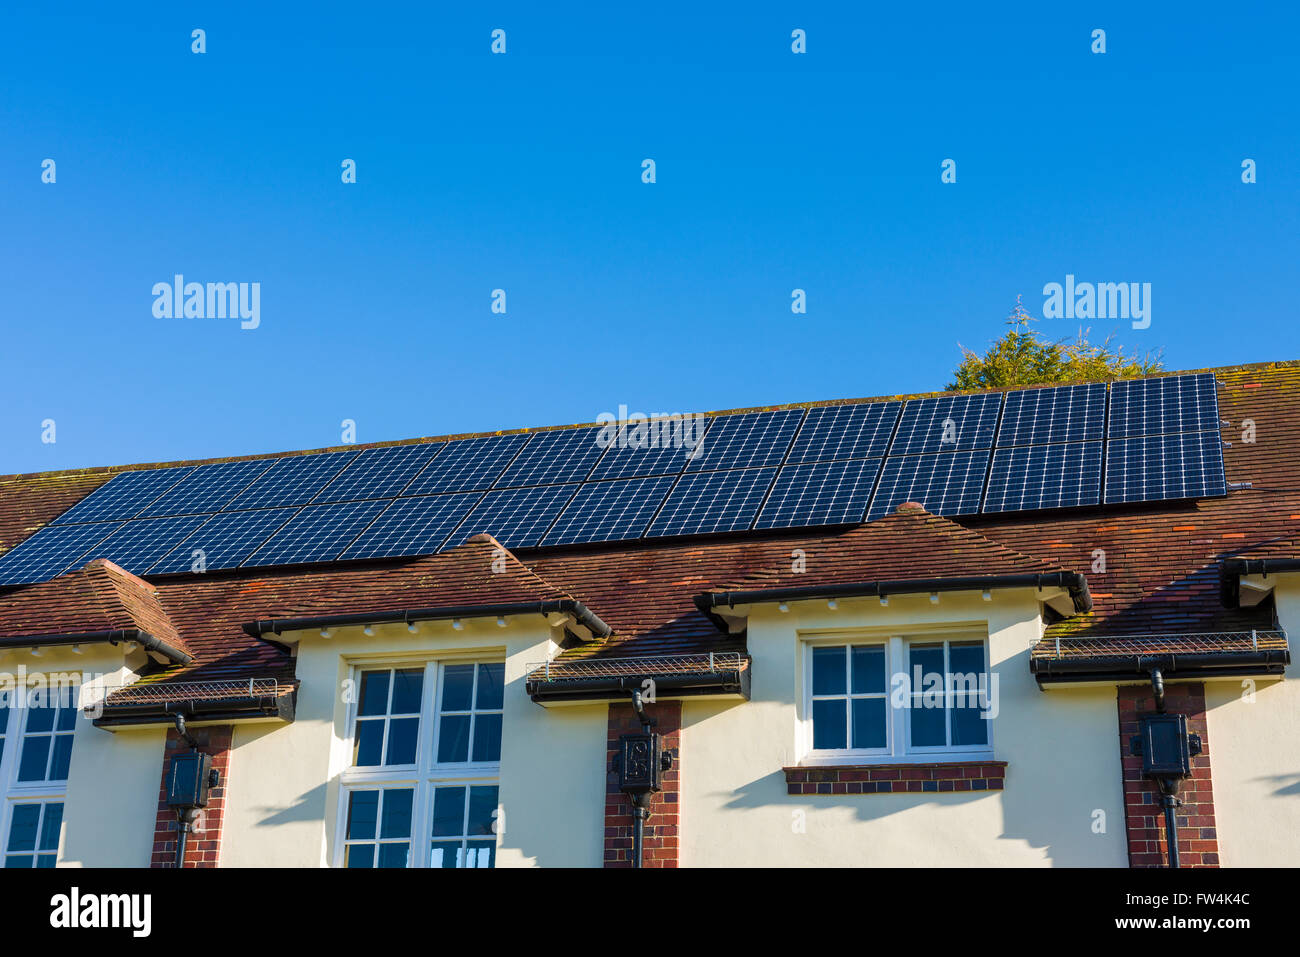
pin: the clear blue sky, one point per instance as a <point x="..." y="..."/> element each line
<point x="523" y="172"/>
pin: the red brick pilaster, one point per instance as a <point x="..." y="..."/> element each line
<point x="203" y="846"/>
<point x="661" y="831"/>
<point x="1198" y="843"/>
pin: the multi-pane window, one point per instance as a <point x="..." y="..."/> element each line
<point x="36" y="733"/>
<point x="34" y="834"/>
<point x="897" y="698"/>
<point x="426" y="752"/>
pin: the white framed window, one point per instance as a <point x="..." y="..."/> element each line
<point x="421" y="789"/>
<point x="36" y="734"/>
<point x="896" y="699"/>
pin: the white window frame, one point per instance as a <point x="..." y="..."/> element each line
<point x="13" y="728"/>
<point x="426" y="774"/>
<point x="898" y="727"/>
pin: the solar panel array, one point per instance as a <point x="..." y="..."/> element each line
<point x="1065" y="446"/>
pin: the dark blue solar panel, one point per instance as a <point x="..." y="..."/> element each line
<point x="1180" y="403"/>
<point x="820" y="493"/>
<point x="207" y="488"/>
<point x="1157" y="467"/>
<point x="292" y="480"/>
<point x="610" y="511"/>
<point x="1068" y="413"/>
<point x="551" y="458"/>
<point x="51" y="551"/>
<point x="749" y="439"/>
<point x="379" y="473"/>
<point x="664" y="447"/>
<point x="516" y="517"/>
<point x="413" y="526"/>
<point x="225" y="540"/>
<point x="835" y="432"/>
<point x="124" y="495"/>
<point x="1044" y="476"/>
<point x="139" y="544"/>
<point x="948" y="483"/>
<point x="947" y="423"/>
<point x="468" y="465"/>
<point x="704" y="502"/>
<point x="318" y="533"/>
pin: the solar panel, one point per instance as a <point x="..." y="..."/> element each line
<point x="51" y="551"/>
<point x="820" y="493"/>
<point x="318" y="533"/>
<point x="124" y="495"/>
<point x="1158" y="467"/>
<point x="674" y="441"/>
<point x="379" y="473"/>
<point x="413" y="526"/>
<point x="555" y="457"/>
<point x="1044" y="476"/>
<point x="1180" y="403"/>
<point x="225" y="540"/>
<point x="835" y="432"/>
<point x="516" y="517"/>
<point x="746" y="440"/>
<point x="704" y="502"/>
<point x="610" y="511"/>
<point x="207" y="488"/>
<point x="292" y="480"/>
<point x="947" y="423"/>
<point x="138" y="545"/>
<point x="468" y="465"/>
<point x="1069" y="413"/>
<point x="947" y="483"/>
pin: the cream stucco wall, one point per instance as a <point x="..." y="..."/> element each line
<point x="283" y="800"/>
<point x="1061" y="748"/>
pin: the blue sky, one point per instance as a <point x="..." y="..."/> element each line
<point x="522" y="171"/>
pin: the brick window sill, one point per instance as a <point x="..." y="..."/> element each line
<point x="948" y="776"/>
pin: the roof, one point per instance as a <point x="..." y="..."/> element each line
<point x="1152" y="567"/>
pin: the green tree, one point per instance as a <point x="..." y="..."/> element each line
<point x="1024" y="357"/>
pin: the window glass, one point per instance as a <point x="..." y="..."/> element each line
<point x="388" y="718"/>
<point x="378" y="832"/>
<point x="33" y="839"/>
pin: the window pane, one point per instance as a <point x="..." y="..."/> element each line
<point x="869" y="722"/>
<point x="453" y="738"/>
<point x="457" y="687"/>
<point x="36" y="756"/>
<point x="67" y="715"/>
<point x="480" y="854"/>
<point x="448" y="811"/>
<point x="363" y="812"/>
<point x="408" y="686"/>
<point x="402" y="735"/>
<point x="374" y="693"/>
<point x="50" y="827"/>
<point x="22" y="827"/>
<point x="445" y="854"/>
<point x="491" y="686"/>
<point x="966" y="659"/>
<point x="482" y="805"/>
<point x="39" y="718"/>
<point x="62" y="757"/>
<point x="369" y="745"/>
<point x="868" y="669"/>
<point x="968" y="724"/>
<point x="359" y="855"/>
<point x="394" y="855"/>
<point x="927" y="724"/>
<point x="928" y="713"/>
<point x="45" y="860"/>
<point x="19" y="861"/>
<point x="830" y="729"/>
<point x="828" y="671"/>
<point x="487" y="737"/>
<point x="397" y="813"/>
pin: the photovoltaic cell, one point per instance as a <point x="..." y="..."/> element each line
<point x="292" y="480"/>
<point x="51" y="551"/>
<point x="1044" y="476"/>
<point x="1162" y="406"/>
<point x="140" y="544"/>
<point x="379" y="473"/>
<point x="835" y="432"/>
<point x="124" y="495"/>
<point x="674" y="443"/>
<point x="749" y="439"/>
<point x="516" y="517"/>
<point x="949" y="483"/>
<point x="610" y="511"/>
<point x="207" y="488"/>
<point x="820" y="493"/>
<point x="318" y="533"/>
<point x="413" y="526"/>
<point x="1158" y="467"/>
<point x="1069" y="413"/>
<point x="555" y="457"/>
<point x="468" y="465"/>
<point x="225" y="540"/>
<point x="704" y="502"/>
<point x="947" y="423"/>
